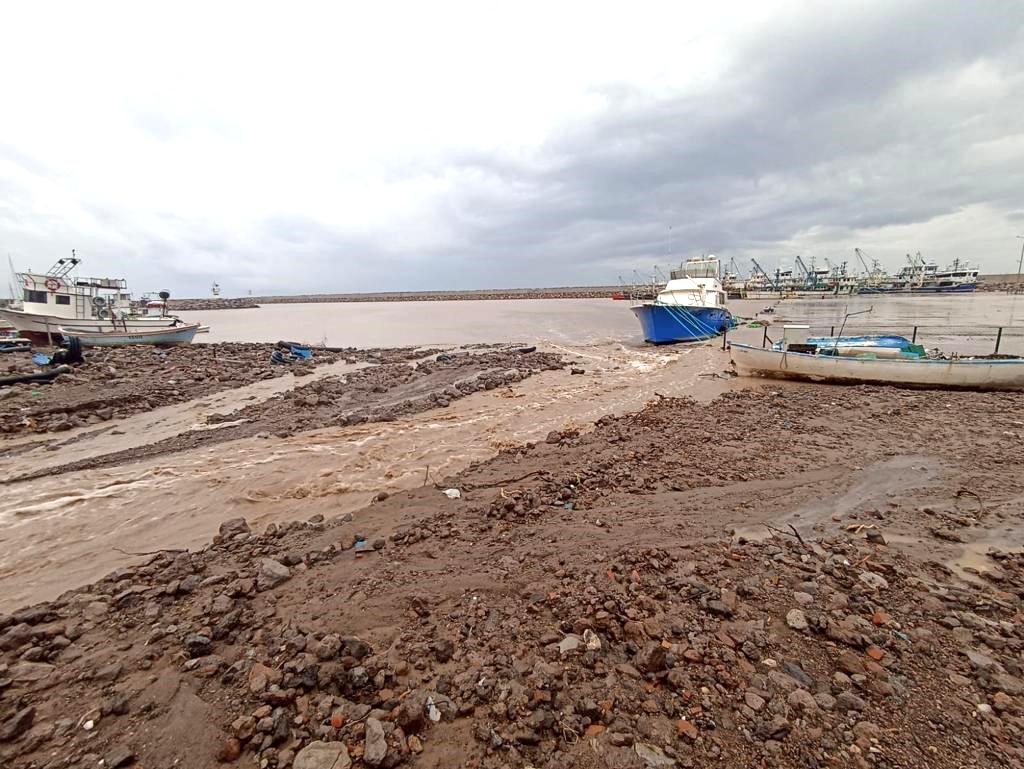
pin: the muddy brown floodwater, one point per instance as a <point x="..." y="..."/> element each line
<point x="66" y="528"/>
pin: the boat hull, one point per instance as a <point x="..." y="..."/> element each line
<point x="961" y="288"/>
<point x="665" y="324"/>
<point x="965" y="374"/>
<point x="41" y="328"/>
<point x="169" y="336"/>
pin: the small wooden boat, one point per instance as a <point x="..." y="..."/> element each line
<point x="981" y="373"/>
<point x="168" y="335"/>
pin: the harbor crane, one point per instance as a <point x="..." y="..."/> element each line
<point x="810" y="277"/>
<point x="875" y="266"/>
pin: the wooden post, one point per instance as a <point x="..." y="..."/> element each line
<point x="913" y="339"/>
<point x="999" y="338"/>
<point x="764" y="342"/>
<point x="725" y="336"/>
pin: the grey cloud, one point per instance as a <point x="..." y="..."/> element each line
<point x="841" y="123"/>
<point x="769" y="152"/>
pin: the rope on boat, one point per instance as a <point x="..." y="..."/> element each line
<point x="692" y="325"/>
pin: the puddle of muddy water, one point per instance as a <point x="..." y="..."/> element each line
<point x="845" y="490"/>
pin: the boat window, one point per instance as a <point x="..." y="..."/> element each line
<point x="35" y="296"/>
<point x="63" y="299"/>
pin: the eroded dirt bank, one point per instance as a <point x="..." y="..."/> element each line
<point x="606" y="599"/>
<point x="117" y="382"/>
<point x="392" y="387"/>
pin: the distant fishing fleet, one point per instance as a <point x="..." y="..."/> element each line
<point x="691" y="306"/>
<point x="918" y="276"/>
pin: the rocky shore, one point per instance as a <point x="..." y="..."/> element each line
<point x="762" y="581"/>
<point x="115" y="382"/>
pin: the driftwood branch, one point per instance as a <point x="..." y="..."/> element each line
<point x="795" y="533"/>
<point x="150" y="552"/>
<point x="506" y="481"/>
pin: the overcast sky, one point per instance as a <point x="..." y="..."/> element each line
<point x="295" y="147"/>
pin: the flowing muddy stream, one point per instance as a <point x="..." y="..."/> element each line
<point x="65" y="530"/>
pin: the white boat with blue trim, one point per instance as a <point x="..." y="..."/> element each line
<point x="826" y="364"/>
<point x="691" y="307"/>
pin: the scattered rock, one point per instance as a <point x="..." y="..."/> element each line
<point x="375" y="749"/>
<point x="198" y="645"/>
<point x="271" y="574"/>
<point x="796" y="619"/>
<point x="687" y="729"/>
<point x="17" y="724"/>
<point x="119" y="755"/>
<point x="652" y="755"/>
<point x="323" y="755"/>
<point x="651" y="658"/>
<point x="874" y="581"/>
<point x="233" y="527"/>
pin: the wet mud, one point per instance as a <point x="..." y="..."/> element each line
<point x="765" y="578"/>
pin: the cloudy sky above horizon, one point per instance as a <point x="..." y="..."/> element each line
<point x="289" y="148"/>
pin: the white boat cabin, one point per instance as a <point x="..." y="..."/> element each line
<point x="694" y="284"/>
<point x="62" y="294"/>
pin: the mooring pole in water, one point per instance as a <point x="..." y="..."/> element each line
<point x="832" y="331"/>
<point x="725" y="336"/>
<point x="999" y="338"/>
<point x="913" y="339"/>
<point x="764" y="342"/>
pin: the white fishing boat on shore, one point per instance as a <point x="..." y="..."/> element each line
<point x="174" y="335"/>
<point x="61" y="299"/>
<point x="956" y="373"/>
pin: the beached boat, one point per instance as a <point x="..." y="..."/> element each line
<point x="59" y="298"/>
<point x="689" y="308"/>
<point x="181" y="334"/>
<point x="981" y="373"/>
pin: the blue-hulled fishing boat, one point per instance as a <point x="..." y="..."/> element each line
<point x="691" y="307"/>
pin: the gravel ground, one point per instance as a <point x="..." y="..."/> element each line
<point x="779" y="578"/>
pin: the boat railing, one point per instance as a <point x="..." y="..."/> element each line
<point x="974" y="339"/>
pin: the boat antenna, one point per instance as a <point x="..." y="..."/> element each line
<point x="835" y="342"/>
